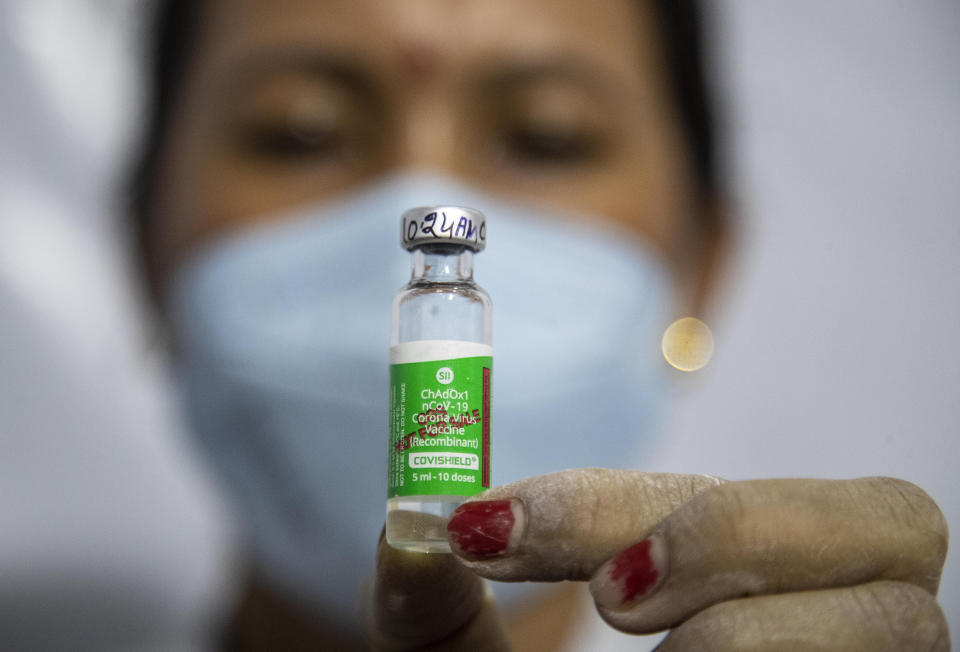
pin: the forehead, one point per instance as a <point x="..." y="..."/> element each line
<point x="423" y="39"/>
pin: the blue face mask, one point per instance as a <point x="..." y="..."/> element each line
<point x="284" y="332"/>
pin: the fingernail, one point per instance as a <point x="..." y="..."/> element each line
<point x="633" y="575"/>
<point x="485" y="528"/>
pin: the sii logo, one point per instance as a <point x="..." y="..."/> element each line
<point x="444" y="375"/>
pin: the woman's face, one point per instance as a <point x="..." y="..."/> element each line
<point x="290" y="102"/>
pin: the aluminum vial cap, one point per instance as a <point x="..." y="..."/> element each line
<point x="453" y="225"/>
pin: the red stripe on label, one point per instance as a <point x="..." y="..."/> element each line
<point x="485" y="429"/>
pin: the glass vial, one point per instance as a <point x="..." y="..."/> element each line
<point x="441" y="363"/>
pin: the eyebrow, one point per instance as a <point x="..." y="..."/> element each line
<point x="351" y="74"/>
<point x="344" y="71"/>
<point x="560" y="67"/>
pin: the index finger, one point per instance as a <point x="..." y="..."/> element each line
<point x="564" y="525"/>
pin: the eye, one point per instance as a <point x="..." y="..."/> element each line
<point x="550" y="145"/>
<point x="312" y="126"/>
<point x="288" y="140"/>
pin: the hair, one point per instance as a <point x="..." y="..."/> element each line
<point x="177" y="24"/>
<point x="681" y="27"/>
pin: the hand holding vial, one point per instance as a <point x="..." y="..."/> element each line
<point x="742" y="565"/>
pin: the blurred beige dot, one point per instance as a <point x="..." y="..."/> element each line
<point x="687" y="344"/>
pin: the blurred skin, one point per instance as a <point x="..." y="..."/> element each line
<point x="561" y="102"/>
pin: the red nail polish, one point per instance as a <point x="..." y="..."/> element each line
<point x="634" y="571"/>
<point x="482" y="528"/>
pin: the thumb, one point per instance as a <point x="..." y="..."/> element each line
<point x="426" y="601"/>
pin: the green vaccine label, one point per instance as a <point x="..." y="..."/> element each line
<point x="439" y="418"/>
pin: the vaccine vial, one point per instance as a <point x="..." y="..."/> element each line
<point x="441" y="363"/>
